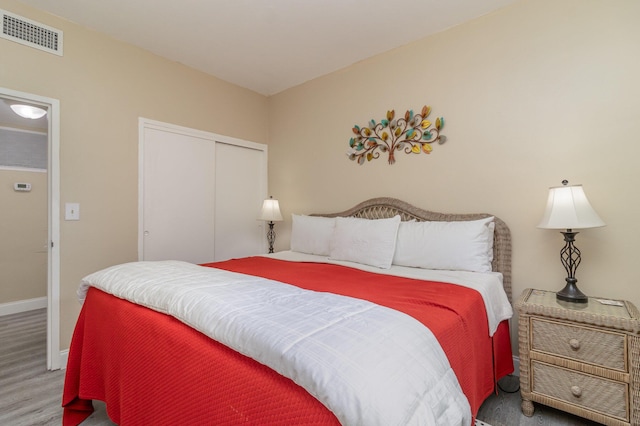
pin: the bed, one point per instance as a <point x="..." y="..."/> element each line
<point x="134" y="349"/>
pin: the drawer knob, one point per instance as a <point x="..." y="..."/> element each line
<point x="575" y="344"/>
<point x="576" y="391"/>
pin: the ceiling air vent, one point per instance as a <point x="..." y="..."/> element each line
<point x="30" y="33"/>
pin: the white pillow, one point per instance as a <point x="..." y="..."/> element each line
<point x="311" y="234"/>
<point x="368" y="241"/>
<point x="460" y="246"/>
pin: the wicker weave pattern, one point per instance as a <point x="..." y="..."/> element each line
<point x="600" y="395"/>
<point x="593" y="346"/>
<point x="583" y="367"/>
<point x="525" y="380"/>
<point x="634" y="361"/>
<point x="382" y="208"/>
<point x="619" y="317"/>
<point x="589" y="345"/>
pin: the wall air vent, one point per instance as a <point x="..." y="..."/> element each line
<point x="30" y="33"/>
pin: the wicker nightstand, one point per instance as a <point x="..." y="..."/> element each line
<point x="580" y="358"/>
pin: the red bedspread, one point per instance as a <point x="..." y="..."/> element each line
<point x="152" y="369"/>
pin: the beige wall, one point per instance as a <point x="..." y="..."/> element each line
<point x="23" y="227"/>
<point x="104" y="86"/>
<point x="542" y="91"/>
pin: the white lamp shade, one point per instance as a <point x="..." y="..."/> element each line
<point x="270" y="211"/>
<point x="568" y="208"/>
<point x="28" y="111"/>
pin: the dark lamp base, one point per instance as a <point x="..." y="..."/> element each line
<point x="570" y="293"/>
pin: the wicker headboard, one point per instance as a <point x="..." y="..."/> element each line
<point x="381" y="208"/>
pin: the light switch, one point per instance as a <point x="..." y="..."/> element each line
<point x="72" y="211"/>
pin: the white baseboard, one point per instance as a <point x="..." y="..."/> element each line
<point x="22" y="306"/>
<point x="516" y="366"/>
<point x="64" y="356"/>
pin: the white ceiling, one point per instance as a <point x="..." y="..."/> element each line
<point x="268" y="45"/>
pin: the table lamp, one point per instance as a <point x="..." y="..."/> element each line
<point x="270" y="212"/>
<point x="568" y="208"/>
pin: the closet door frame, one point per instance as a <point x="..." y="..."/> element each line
<point x="145" y="123"/>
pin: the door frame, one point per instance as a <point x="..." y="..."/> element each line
<point x="54" y="357"/>
<point x="146" y="123"/>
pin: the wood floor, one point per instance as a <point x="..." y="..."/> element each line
<point x="30" y="395"/>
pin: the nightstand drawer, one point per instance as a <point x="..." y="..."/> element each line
<point x="590" y="392"/>
<point x="584" y="344"/>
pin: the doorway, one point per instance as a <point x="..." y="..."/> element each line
<point x="51" y="244"/>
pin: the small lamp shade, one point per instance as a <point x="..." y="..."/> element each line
<point x="270" y="211"/>
<point x="568" y="208"/>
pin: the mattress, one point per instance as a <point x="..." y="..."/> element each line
<point x="151" y="368"/>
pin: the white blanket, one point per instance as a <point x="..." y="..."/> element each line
<point x="368" y="364"/>
<point x="488" y="284"/>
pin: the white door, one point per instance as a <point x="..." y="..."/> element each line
<point x="200" y="195"/>
<point x="178" y="197"/>
<point x="240" y="189"/>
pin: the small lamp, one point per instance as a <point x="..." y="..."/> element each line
<point x="270" y="212"/>
<point x="568" y="208"/>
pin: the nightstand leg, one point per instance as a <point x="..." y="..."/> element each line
<point x="527" y="408"/>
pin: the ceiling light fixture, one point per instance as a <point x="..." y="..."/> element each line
<point x="28" y="111"/>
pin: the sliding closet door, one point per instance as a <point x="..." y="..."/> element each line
<point x="178" y="197"/>
<point x="200" y="195"/>
<point x="240" y="189"/>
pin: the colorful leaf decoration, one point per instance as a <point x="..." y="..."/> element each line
<point x="391" y="114"/>
<point x="411" y="133"/>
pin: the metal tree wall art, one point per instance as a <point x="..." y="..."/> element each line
<point x="412" y="134"/>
